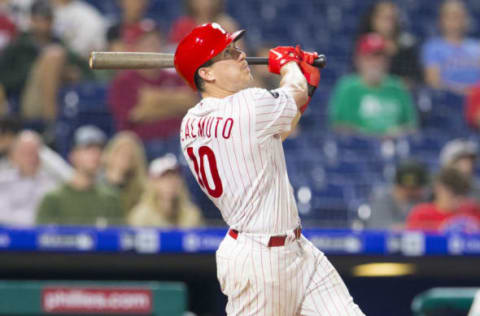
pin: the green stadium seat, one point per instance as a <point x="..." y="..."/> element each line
<point x="444" y="301"/>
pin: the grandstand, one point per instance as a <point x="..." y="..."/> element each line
<point x="343" y="167"/>
<point x="332" y="175"/>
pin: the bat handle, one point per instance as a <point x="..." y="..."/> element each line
<point x="320" y="62"/>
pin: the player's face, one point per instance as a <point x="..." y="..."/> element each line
<point x="230" y="70"/>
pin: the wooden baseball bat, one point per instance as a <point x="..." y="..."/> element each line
<point x="134" y="60"/>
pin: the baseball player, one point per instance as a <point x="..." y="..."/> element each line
<point x="232" y="140"/>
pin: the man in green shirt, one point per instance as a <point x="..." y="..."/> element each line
<point x="372" y="102"/>
<point x="81" y="201"/>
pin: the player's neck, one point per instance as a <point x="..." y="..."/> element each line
<point x="216" y="92"/>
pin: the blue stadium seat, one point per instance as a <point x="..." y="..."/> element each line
<point x="81" y="104"/>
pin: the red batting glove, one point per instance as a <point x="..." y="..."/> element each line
<point x="279" y="56"/>
<point x="311" y="73"/>
<point x="308" y="57"/>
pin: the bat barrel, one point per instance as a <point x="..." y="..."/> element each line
<point x="320" y="62"/>
<point x="129" y="60"/>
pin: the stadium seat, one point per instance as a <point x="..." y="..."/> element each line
<point x="81" y="104"/>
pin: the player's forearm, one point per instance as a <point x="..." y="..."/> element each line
<point x="295" y="83"/>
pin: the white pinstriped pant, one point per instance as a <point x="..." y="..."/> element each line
<point x="295" y="279"/>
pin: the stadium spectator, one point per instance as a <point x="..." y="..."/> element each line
<point x="451" y="60"/>
<point x="199" y="12"/>
<point x="81" y="201"/>
<point x="33" y="67"/>
<point x="80" y="26"/>
<point x="24" y="185"/>
<point x="461" y="154"/>
<point x="472" y="107"/>
<point x="51" y="163"/>
<point x="166" y="202"/>
<point x="9" y="128"/>
<point x="149" y="102"/>
<point x="383" y="18"/>
<point x="451" y="209"/>
<point x="8" y="29"/>
<point x="19" y="12"/>
<point x="124" y="168"/>
<point x="371" y="101"/>
<point x="121" y="34"/>
<point x="391" y="205"/>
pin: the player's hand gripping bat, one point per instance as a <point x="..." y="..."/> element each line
<point x="134" y="60"/>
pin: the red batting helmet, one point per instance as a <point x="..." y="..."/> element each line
<point x="202" y="44"/>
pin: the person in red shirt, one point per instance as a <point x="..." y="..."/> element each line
<point x="149" y="102"/>
<point x="8" y="30"/>
<point x="121" y="34"/>
<point x="472" y="107"/>
<point x="451" y="209"/>
<point x="199" y="12"/>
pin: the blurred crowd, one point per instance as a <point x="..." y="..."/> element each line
<point x="106" y="182"/>
<point x="45" y="44"/>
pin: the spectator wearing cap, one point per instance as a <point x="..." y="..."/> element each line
<point x="371" y="101"/>
<point x="24" y="184"/>
<point x="390" y="206"/>
<point x="451" y="209"/>
<point x="149" y="102"/>
<point x="34" y="66"/>
<point x="450" y="60"/>
<point x="81" y="201"/>
<point x="461" y="154"/>
<point x="166" y="201"/>
<point x="384" y="17"/>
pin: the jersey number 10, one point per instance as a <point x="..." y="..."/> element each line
<point x="206" y="152"/>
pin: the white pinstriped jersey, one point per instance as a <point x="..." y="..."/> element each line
<point x="235" y="152"/>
